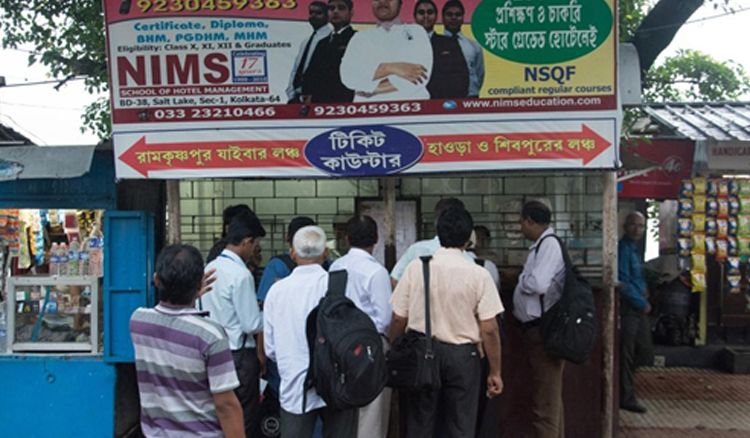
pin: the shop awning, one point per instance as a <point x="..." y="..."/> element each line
<point x="720" y="121"/>
<point x="37" y="162"/>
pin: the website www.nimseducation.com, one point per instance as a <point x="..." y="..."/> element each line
<point x="532" y="102"/>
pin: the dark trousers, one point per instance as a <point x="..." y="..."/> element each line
<point x="452" y="408"/>
<point x="248" y="372"/>
<point x="547" y="413"/>
<point x="636" y="348"/>
<point x="336" y="424"/>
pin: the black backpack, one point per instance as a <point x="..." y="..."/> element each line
<point x="347" y="362"/>
<point x="569" y="326"/>
<point x="291" y="264"/>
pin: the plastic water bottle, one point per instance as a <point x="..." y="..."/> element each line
<point x="73" y="256"/>
<point x="63" y="258"/>
<point x="83" y="259"/>
<point x="54" y="259"/>
<point x="96" y="258"/>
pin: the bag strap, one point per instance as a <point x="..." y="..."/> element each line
<point x="337" y="283"/>
<point x="311" y="332"/>
<point x="427" y="323"/>
<point x="566" y="259"/>
<point x="287" y="260"/>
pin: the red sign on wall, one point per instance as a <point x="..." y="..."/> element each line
<point x="654" y="168"/>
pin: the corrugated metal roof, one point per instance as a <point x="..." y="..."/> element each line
<point x="720" y="121"/>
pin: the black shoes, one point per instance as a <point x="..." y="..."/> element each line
<point x="634" y="407"/>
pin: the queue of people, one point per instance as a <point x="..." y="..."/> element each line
<point x="390" y="61"/>
<point x="202" y="351"/>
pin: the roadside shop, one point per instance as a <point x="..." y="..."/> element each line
<point x="73" y="270"/>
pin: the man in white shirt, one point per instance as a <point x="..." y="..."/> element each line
<point x="287" y="306"/>
<point x="424" y="247"/>
<point x="369" y="287"/>
<point x="453" y="19"/>
<point x="233" y="304"/>
<point x="318" y="19"/>
<point x="540" y="282"/>
<point x="391" y="61"/>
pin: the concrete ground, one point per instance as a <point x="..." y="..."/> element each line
<point x="689" y="403"/>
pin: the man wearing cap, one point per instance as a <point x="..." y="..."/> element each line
<point x="233" y="304"/>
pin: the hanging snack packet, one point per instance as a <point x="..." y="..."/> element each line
<point x="699" y="223"/>
<point x="685" y="207"/>
<point x="732" y="249"/>
<point x="710" y="226"/>
<point x="683" y="263"/>
<point x="745" y="203"/>
<point x="698" y="280"/>
<point x="723" y="188"/>
<point x="684" y="227"/>
<point x="722" y="250"/>
<point x="743" y="224"/>
<point x="732" y="226"/>
<point x="743" y="242"/>
<point x="698" y="262"/>
<point x="723" y="208"/>
<point x="698" y="245"/>
<point x="684" y="246"/>
<point x="710" y="245"/>
<point x="699" y="185"/>
<point x="712" y="187"/>
<point x="733" y="266"/>
<point x="733" y="283"/>
<point x="744" y="186"/>
<point x="699" y="204"/>
<point x="734" y="187"/>
<point x="686" y="188"/>
<point x="734" y="205"/>
<point x="712" y="207"/>
<point x="722" y="228"/>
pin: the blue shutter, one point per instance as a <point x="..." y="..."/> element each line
<point x="128" y="271"/>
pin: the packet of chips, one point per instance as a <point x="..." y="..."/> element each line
<point x="723" y="211"/>
<point x="745" y="204"/>
<point x="685" y="207"/>
<point x="699" y="185"/>
<point x="723" y="188"/>
<point x="733" y="266"/>
<point x="698" y="262"/>
<point x="743" y="242"/>
<point x="684" y="227"/>
<point x="699" y="204"/>
<point x="698" y="280"/>
<point x="710" y="226"/>
<point x="732" y="249"/>
<point x="733" y="283"/>
<point x="732" y="226"/>
<point x="710" y="245"/>
<point x="722" y="228"/>
<point x="734" y="205"/>
<point x="734" y="187"/>
<point x="743" y="224"/>
<point x="684" y="246"/>
<point x="686" y="188"/>
<point x="683" y="263"/>
<point x="744" y="186"/>
<point x="699" y="223"/>
<point x="722" y="250"/>
<point x="712" y="187"/>
<point x="712" y="207"/>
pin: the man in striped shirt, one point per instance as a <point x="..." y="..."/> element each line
<point x="186" y="375"/>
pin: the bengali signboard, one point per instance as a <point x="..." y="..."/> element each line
<point x="265" y="88"/>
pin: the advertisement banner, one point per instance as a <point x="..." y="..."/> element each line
<point x="343" y="88"/>
<point x="653" y="169"/>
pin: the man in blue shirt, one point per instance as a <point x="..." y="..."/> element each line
<point x="634" y="306"/>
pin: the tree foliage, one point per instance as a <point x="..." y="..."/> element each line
<point x="691" y="75"/>
<point x="67" y="37"/>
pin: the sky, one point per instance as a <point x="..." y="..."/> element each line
<point x="51" y="117"/>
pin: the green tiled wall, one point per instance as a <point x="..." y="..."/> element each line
<point x="494" y="201"/>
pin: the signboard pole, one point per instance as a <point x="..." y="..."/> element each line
<point x="173" y="211"/>
<point x="389" y="220"/>
<point x="609" y="318"/>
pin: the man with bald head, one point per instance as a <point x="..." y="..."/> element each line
<point x="634" y="306"/>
